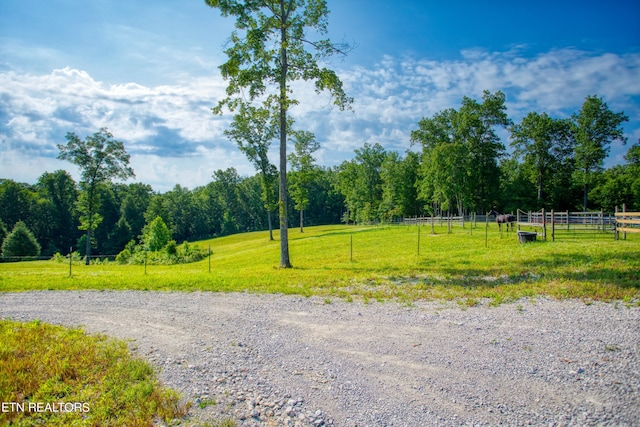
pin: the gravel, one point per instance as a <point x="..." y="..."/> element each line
<point x="271" y="360"/>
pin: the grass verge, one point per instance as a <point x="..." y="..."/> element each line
<point x="54" y="376"/>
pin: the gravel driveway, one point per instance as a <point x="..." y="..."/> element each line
<point x="285" y="360"/>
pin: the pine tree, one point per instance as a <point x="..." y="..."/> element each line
<point x="20" y="242"/>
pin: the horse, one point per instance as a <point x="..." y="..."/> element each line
<point x="503" y="219"/>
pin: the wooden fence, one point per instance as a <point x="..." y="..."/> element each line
<point x="626" y="222"/>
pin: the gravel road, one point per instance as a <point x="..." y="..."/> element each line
<point x="270" y="360"/>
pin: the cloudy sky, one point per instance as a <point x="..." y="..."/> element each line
<point x="148" y="71"/>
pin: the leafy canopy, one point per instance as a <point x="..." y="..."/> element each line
<point x="100" y="157"/>
<point x="264" y="30"/>
<point x="268" y="50"/>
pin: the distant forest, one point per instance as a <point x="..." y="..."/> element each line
<point x="458" y="165"/>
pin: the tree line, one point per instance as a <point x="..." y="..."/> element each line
<point x="51" y="210"/>
<point x="458" y="164"/>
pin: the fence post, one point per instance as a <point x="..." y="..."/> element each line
<point x="553" y="226"/>
<point x="209" y="258"/>
<point x="544" y="225"/>
<point x="486" y="231"/>
<point x="601" y="220"/>
<point x="433" y="230"/>
<point x="624" y="211"/>
<point x="351" y="248"/>
<point x="418" y="239"/>
<point x="615" y="224"/>
<point x="70" y="259"/>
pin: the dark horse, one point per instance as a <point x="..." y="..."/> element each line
<point x="503" y="219"/>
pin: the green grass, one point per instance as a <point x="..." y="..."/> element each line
<point x="385" y="265"/>
<point x="86" y="380"/>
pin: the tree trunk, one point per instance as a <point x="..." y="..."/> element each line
<point x="540" y="189"/>
<point x="270" y="224"/>
<point x="284" y="227"/>
<point x="90" y="226"/>
<point x="586" y="187"/>
<point x="88" y="251"/>
<point x="301" y="220"/>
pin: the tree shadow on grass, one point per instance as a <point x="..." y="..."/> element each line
<point x="599" y="268"/>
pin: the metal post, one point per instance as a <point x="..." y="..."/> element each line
<point x="418" y="239"/>
<point x="433" y="214"/>
<point x="209" y="258"/>
<point x="615" y="225"/>
<point x="70" y="259"/>
<point x="486" y="231"/>
<point x="351" y="249"/>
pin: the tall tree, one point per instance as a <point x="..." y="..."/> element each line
<point x="253" y="130"/>
<point x="101" y="159"/>
<point x="399" y="193"/>
<point x="269" y="50"/>
<point x="226" y="187"/>
<point x="360" y="182"/>
<point x="304" y="170"/>
<point x="15" y="202"/>
<point x="60" y="191"/>
<point x="460" y="150"/>
<point x="544" y="144"/>
<point x="595" y="127"/>
<point x="477" y="124"/>
<point x="135" y="202"/>
<point x="443" y="181"/>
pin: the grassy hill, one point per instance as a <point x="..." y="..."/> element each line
<point x="374" y="262"/>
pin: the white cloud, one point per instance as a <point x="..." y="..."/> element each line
<point x="392" y="97"/>
<point x="174" y="138"/>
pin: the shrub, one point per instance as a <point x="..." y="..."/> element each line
<point x="124" y="257"/>
<point x="171" y="248"/>
<point x="156" y="235"/>
<point x="169" y="254"/>
<point x="59" y="258"/>
<point x="20" y="242"/>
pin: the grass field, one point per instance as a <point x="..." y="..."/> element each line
<point x="374" y="262"/>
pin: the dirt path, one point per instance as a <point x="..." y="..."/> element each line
<point x="281" y="360"/>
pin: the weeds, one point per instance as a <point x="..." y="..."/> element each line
<point x="94" y="378"/>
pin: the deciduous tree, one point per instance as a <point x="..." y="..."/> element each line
<point x="304" y="170"/>
<point x="253" y="129"/>
<point x="545" y="144"/>
<point x="100" y="159"/>
<point x="595" y="128"/>
<point x="270" y="49"/>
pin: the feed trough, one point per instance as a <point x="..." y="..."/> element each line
<point x="526" y="236"/>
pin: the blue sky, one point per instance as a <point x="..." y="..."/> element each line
<point x="148" y="72"/>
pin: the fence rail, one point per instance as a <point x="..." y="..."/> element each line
<point x="626" y="222"/>
<point x="570" y="222"/>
